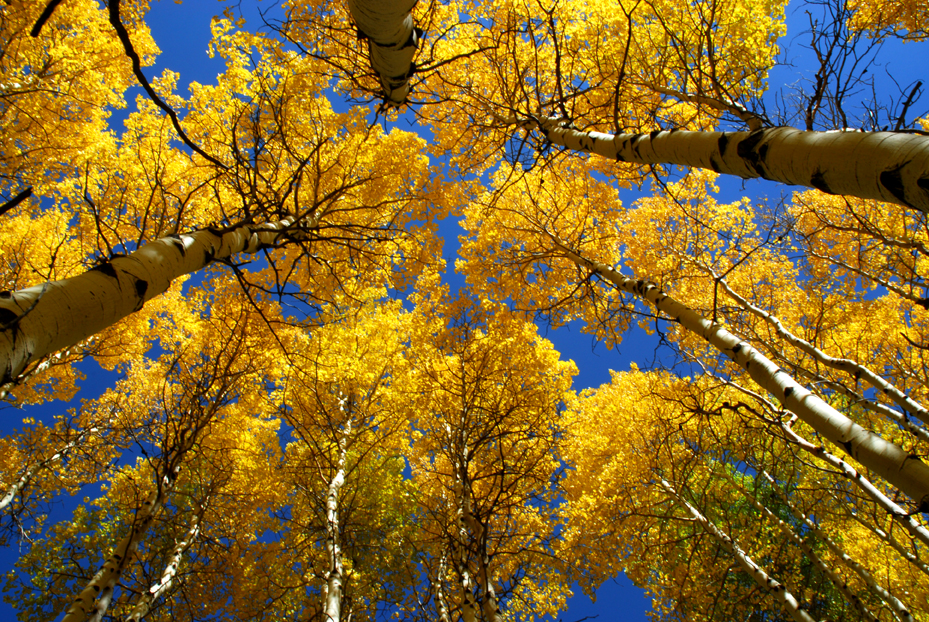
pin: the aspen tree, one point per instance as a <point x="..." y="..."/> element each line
<point x="702" y="439"/>
<point x="340" y="402"/>
<point x="269" y="155"/>
<point x="885" y="166"/>
<point x="287" y="442"/>
<point x="530" y="222"/>
<point x="484" y="429"/>
<point x="173" y="411"/>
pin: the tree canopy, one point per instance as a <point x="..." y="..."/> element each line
<point x="312" y="421"/>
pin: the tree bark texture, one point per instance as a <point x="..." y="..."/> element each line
<point x="885" y="166"/>
<point x="901" y="469"/>
<point x="392" y="41"/>
<point x="38" y="320"/>
<point x="768" y="583"/>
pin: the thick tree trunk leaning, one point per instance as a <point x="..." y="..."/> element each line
<point x="37" y="321"/>
<point x="902" y="470"/>
<point x="885" y="166"/>
<point x="392" y="42"/>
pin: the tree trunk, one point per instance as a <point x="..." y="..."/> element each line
<point x="144" y="605"/>
<point x="903" y="470"/>
<point x="392" y="42"/>
<point x="803" y="544"/>
<point x="37" y="321"/>
<point x="95" y="597"/>
<point x="440" y="601"/>
<point x="854" y="369"/>
<point x="333" y="600"/>
<point x="30" y="472"/>
<point x="901" y="612"/>
<point x="885" y="166"/>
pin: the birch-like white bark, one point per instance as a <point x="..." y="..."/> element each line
<point x="36" y="370"/>
<point x="37" y="321"/>
<point x="878" y="408"/>
<point x="392" y="42"/>
<point x="95" y="597"/>
<point x="772" y="586"/>
<point x="900" y="610"/>
<point x="30" y="472"/>
<point x="462" y="510"/>
<point x="901" y="469"/>
<point x="468" y="608"/>
<point x="851" y="367"/>
<point x="489" y="604"/>
<point x="896" y="512"/>
<point x="440" y="601"/>
<point x="333" y="602"/>
<point x="885" y="166"/>
<point x="144" y="605"/>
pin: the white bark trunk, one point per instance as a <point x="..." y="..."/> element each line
<point x="30" y="472"/>
<point x="904" y="552"/>
<point x="164" y="584"/>
<point x="489" y="604"/>
<point x="95" y="597"/>
<point x="468" y="608"/>
<point x="333" y="602"/>
<point x="440" y="601"/>
<point x="37" y="321"/>
<point x="896" y="512"/>
<point x="392" y="42"/>
<point x="851" y="367"/>
<point x="773" y="587"/>
<point x="459" y="544"/>
<point x="885" y="166"/>
<point x="903" y="470"/>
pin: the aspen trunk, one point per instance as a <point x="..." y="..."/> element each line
<point x="392" y="42"/>
<point x="334" y="579"/>
<point x="462" y="511"/>
<point x="37" y="321"/>
<point x="468" y="606"/>
<point x="888" y="539"/>
<point x="773" y="587"/>
<point x="144" y="605"/>
<point x="904" y="401"/>
<point x="837" y="580"/>
<point x="897" y="513"/>
<point x="489" y="603"/>
<point x="885" y="166"/>
<point x="440" y="601"/>
<point x="95" y="597"/>
<point x="30" y="472"/>
<point x="901" y="469"/>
